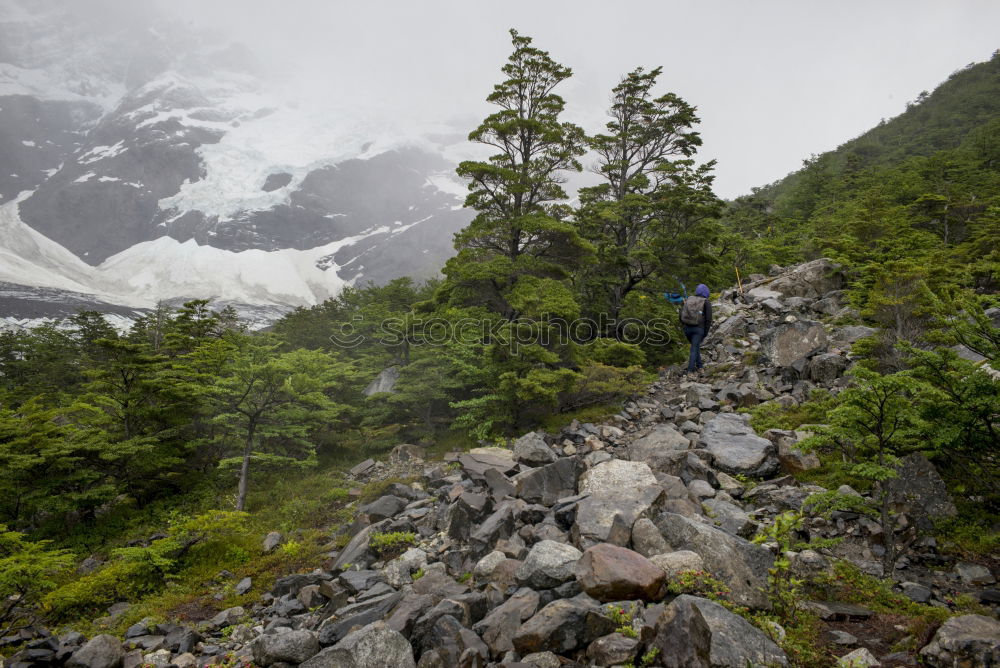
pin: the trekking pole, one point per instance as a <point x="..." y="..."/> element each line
<point x="738" y="281"/>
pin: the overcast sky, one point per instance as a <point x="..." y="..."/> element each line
<point x="774" y="80"/>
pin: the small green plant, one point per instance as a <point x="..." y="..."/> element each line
<point x="465" y="577"/>
<point x="391" y="543"/>
<point x="699" y="583"/>
<point x="784" y="590"/>
<point x="624" y="619"/>
<point x="291" y="548"/>
<point x="417" y="574"/>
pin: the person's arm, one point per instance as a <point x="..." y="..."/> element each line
<point x="708" y="316"/>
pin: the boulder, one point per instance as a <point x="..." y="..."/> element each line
<point x="101" y="651"/>
<point x="729" y="517"/>
<point x="919" y="491"/>
<point x="742" y="565"/>
<point x="497" y="629"/>
<point x="608" y="517"/>
<point x="548" y="565"/>
<point x="382" y="508"/>
<point x="616" y="475"/>
<point x="859" y="658"/>
<point x="547" y="484"/>
<point x="563" y="626"/>
<point x="736" y="448"/>
<point x="271" y="541"/>
<point x="789" y="342"/>
<point x="646" y="538"/>
<point x="403" y="454"/>
<point x="372" y="646"/>
<point x="611" y="573"/>
<point x="695" y="632"/>
<point x="532" y="450"/>
<point x="613" y="649"/>
<point x="826" y="368"/>
<point x="478" y="460"/>
<point x="675" y="563"/>
<point x="654" y="447"/>
<point x="812" y="280"/>
<point x="968" y="640"/>
<point x="285" y="646"/>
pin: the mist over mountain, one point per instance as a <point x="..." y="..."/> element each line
<point x="144" y="161"/>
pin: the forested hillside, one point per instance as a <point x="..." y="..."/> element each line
<point x="165" y="453"/>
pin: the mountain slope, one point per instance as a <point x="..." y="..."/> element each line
<point x="157" y="156"/>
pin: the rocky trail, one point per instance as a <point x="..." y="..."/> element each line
<point x="593" y="546"/>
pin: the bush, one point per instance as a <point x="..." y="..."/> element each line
<point x="391" y="544"/>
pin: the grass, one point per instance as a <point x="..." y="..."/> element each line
<point x="772" y="415"/>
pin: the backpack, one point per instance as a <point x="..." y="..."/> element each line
<point x="693" y="311"/>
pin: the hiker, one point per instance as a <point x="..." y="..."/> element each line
<point x="696" y="318"/>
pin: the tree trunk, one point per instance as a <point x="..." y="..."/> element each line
<point x="241" y="497"/>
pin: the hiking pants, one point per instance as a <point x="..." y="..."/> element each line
<point x="695" y="335"/>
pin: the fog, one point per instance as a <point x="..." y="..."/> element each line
<point x="773" y="81"/>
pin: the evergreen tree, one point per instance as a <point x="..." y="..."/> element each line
<point x="648" y="218"/>
<point x="520" y="228"/>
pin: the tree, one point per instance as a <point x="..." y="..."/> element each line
<point x="273" y="400"/>
<point x="519" y="230"/>
<point x="27" y="570"/>
<point x="648" y="217"/>
<point x="875" y="423"/>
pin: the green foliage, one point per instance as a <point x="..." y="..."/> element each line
<point x="850" y="585"/>
<point x="772" y="415"/>
<point x="138" y="571"/>
<point x="391" y="544"/>
<point x="28" y="571"/>
<point x="701" y="583"/>
<point x="625" y="619"/>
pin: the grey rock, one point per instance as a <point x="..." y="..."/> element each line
<point x="244" y="586"/>
<point x="736" y="448"/>
<point x="608" y="516"/>
<point x="967" y="640"/>
<point x="837" y="611"/>
<point x="271" y="542"/>
<point x="919" y="490"/>
<point x="548" y="564"/>
<point x="612" y="650"/>
<point x="349" y="617"/>
<point x="695" y="631"/>
<point x="287" y="646"/>
<point x="382" y="508"/>
<point x="372" y="646"/>
<point x="785" y="344"/>
<point x="974" y="574"/>
<point x="647" y="539"/>
<point x="916" y="592"/>
<point x="811" y="280"/>
<point x="385" y="381"/>
<point x="563" y="626"/>
<point x="729" y="517"/>
<point x="616" y="475"/>
<point x="651" y="448"/>
<point x="547" y="484"/>
<point x="532" y="450"/>
<point x="675" y="563"/>
<point x="101" y="651"/>
<point x="859" y="658"/>
<point x="406" y="613"/>
<point x="742" y="565"/>
<point x="498" y="628"/>
<point x="826" y="368"/>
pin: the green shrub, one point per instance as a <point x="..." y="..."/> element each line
<point x="391" y="544"/>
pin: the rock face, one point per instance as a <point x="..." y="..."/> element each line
<point x="610" y="573"/>
<point x="696" y="632"/>
<point x="787" y="343"/>
<point x="968" y="640"/>
<point x="739" y="563"/>
<point x="736" y="448"/>
<point x="385" y="381"/>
